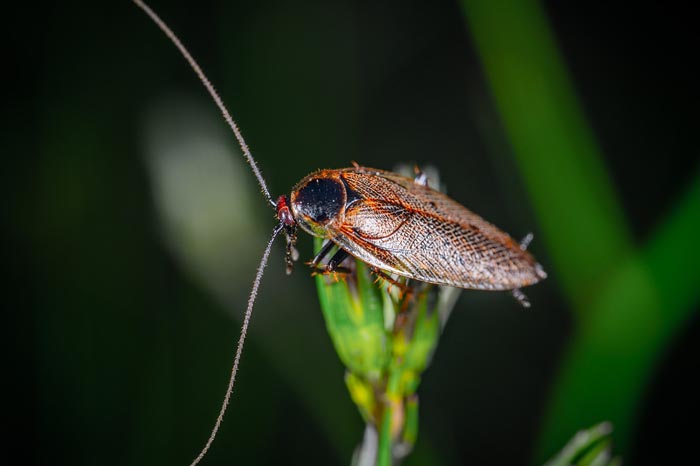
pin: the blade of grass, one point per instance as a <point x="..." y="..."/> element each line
<point x="673" y="256"/>
<point x="612" y="356"/>
<point x="384" y="457"/>
<point x="583" y="442"/>
<point x="580" y="218"/>
<point x="628" y="304"/>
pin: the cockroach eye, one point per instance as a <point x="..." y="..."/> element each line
<point x="320" y="200"/>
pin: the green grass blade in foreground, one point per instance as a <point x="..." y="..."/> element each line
<point x="641" y="308"/>
<point x="628" y="304"/>
<point x="673" y="256"/>
<point x="581" y="221"/>
<point x="586" y="448"/>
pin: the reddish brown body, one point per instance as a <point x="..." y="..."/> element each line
<point x="404" y="227"/>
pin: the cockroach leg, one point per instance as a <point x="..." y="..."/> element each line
<point x="292" y="253"/>
<point x="325" y="250"/>
<point x="382" y="275"/>
<point x="333" y="265"/>
<point x="520" y="296"/>
<point x="401" y="320"/>
<point x="337" y="273"/>
<point x="525" y="242"/>
<point x="338" y="257"/>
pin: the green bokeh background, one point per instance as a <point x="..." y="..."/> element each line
<point x="573" y="120"/>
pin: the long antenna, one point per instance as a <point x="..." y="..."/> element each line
<point x="239" y="348"/>
<point x="214" y="95"/>
<point x="263" y="261"/>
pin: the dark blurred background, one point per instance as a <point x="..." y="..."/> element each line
<point x="133" y="228"/>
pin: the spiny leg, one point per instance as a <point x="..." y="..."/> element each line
<point x="325" y="250"/>
<point x="292" y="253"/>
<point x="404" y="288"/>
<point x="333" y="265"/>
<point x="520" y="297"/>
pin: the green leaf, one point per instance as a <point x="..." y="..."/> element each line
<point x="589" y="447"/>
<point x="628" y="302"/>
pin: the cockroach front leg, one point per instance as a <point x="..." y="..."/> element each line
<point x="291" y="254"/>
<point x="322" y="254"/>
<point x="333" y="265"/>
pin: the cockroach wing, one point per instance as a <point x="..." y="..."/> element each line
<point x="412" y="230"/>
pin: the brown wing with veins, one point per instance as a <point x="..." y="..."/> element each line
<point x="412" y="230"/>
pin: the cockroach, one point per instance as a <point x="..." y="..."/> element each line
<point x="395" y="224"/>
<point x="398" y="225"/>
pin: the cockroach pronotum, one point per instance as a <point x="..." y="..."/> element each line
<point x="397" y="225"/>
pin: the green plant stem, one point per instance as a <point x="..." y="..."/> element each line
<point x="384" y="455"/>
